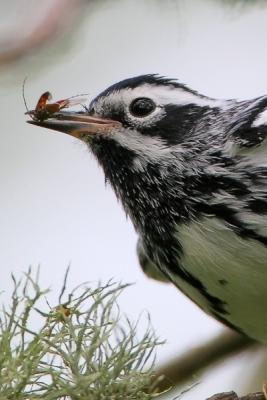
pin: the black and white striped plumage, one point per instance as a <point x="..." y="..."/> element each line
<point x="191" y="172"/>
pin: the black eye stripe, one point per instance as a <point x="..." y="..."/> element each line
<point x="142" y="106"/>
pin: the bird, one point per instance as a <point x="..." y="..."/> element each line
<point x="191" y="173"/>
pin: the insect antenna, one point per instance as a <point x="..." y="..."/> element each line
<point x="24" y="98"/>
<point x="78" y="95"/>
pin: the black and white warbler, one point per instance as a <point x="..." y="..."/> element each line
<point x="191" y="172"/>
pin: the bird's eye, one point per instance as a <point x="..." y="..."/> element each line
<point x="142" y="107"/>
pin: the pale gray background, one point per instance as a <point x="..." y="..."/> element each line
<point x="54" y="206"/>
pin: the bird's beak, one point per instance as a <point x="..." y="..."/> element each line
<point x="77" y="125"/>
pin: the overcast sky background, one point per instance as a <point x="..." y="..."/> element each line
<point x="55" y="208"/>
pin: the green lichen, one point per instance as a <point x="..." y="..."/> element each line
<point x="84" y="348"/>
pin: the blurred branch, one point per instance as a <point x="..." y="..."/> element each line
<point x="183" y="367"/>
<point x="57" y="18"/>
<point x="233" y="396"/>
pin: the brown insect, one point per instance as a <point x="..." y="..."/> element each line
<point x="45" y="109"/>
<point x="61" y="313"/>
<point x="63" y="310"/>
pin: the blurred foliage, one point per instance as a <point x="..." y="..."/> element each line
<point x="244" y="2"/>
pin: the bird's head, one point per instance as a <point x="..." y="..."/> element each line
<point x="141" y="129"/>
<point x="145" y="117"/>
